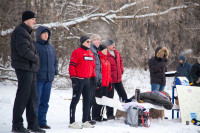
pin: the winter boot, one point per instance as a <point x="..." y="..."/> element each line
<point x="20" y="129"/>
<point x="75" y="126"/>
<point x="45" y="127"/>
<point x="87" y="125"/>
<point x="37" y="130"/>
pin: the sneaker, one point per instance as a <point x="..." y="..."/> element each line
<point x="45" y="127"/>
<point x="20" y="130"/>
<point x="87" y="125"/>
<point x="75" y="126"/>
<point x="37" y="130"/>
<point x="92" y="122"/>
<point x="111" y="117"/>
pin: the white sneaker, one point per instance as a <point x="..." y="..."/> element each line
<point x="87" y="125"/>
<point x="75" y="126"/>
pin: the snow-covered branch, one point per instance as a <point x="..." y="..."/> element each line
<point x="110" y="15"/>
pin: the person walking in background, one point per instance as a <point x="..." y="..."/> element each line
<point x="183" y="69"/>
<point x="45" y="75"/>
<point x="95" y="42"/>
<point x="157" y="68"/>
<point x="106" y="81"/>
<point x="195" y="72"/>
<point x="117" y="70"/>
<point x="25" y="61"/>
<point x="82" y="72"/>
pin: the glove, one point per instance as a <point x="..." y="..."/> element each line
<point x="110" y="87"/>
<point x="75" y="83"/>
<point x="198" y="81"/>
<point x="94" y="82"/>
<point x="99" y="84"/>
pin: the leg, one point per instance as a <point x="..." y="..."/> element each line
<point x="120" y="90"/>
<point x="96" y="109"/>
<point x="31" y="107"/>
<point x="155" y="87"/>
<point x="22" y="96"/>
<point x="162" y="87"/>
<point x="44" y="103"/>
<point x="86" y="99"/>
<point x="92" y="99"/>
<point x="75" y="99"/>
<point x="40" y="85"/>
<point x="110" y="95"/>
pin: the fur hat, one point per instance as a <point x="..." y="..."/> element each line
<point x="94" y="37"/>
<point x="83" y="39"/>
<point x="26" y="15"/>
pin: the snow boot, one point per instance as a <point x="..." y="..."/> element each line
<point x="20" y="129"/>
<point x="75" y="126"/>
<point x="45" y="127"/>
<point x="36" y="130"/>
<point x="87" y="125"/>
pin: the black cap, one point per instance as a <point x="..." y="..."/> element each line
<point x="102" y="47"/>
<point x="109" y="42"/>
<point x="28" y="15"/>
<point x="83" y="39"/>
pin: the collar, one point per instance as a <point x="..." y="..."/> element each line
<point x="26" y="27"/>
<point x="84" y="47"/>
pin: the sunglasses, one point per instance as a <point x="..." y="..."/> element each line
<point x="88" y="41"/>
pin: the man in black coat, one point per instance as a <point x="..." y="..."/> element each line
<point x="25" y="61"/>
<point x="157" y="68"/>
<point x="195" y="73"/>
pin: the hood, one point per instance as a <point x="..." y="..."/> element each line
<point x="181" y="57"/>
<point x="162" y="51"/>
<point x="39" y="30"/>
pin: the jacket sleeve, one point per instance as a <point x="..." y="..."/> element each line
<point x="73" y="64"/>
<point x="189" y="76"/>
<point x="56" y="64"/>
<point x="193" y="73"/>
<point x="23" y="48"/>
<point x="121" y="63"/>
<point x="153" y="67"/>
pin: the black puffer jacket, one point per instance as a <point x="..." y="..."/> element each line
<point x="157" y="67"/>
<point x="195" y="73"/>
<point x="23" y="52"/>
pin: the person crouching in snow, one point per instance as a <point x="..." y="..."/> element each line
<point x="195" y="72"/>
<point x="45" y="75"/>
<point x="106" y="82"/>
<point x="157" y="68"/>
<point x="81" y="71"/>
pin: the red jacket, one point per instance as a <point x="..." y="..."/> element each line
<point x="105" y="70"/>
<point x="117" y="67"/>
<point x="82" y="64"/>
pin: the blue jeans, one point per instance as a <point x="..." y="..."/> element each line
<point x="43" y="90"/>
<point x="157" y="87"/>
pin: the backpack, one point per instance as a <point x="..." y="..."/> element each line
<point x="137" y="117"/>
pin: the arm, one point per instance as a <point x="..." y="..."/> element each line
<point x="73" y="64"/>
<point x="56" y="64"/>
<point x="153" y="68"/>
<point x="121" y="64"/>
<point x="193" y="74"/>
<point x="23" y="49"/>
<point x="94" y="66"/>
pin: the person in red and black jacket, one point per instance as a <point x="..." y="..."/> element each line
<point x="117" y="70"/>
<point x="82" y="72"/>
<point x="106" y="82"/>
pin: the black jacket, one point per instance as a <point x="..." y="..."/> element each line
<point x="23" y="52"/>
<point x="195" y="73"/>
<point x="157" y="68"/>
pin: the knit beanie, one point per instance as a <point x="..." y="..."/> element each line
<point x="109" y="42"/>
<point x="102" y="47"/>
<point x="28" y="15"/>
<point x="83" y="39"/>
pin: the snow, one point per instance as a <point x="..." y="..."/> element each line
<point x="58" y="114"/>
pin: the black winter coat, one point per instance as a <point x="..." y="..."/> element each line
<point x="23" y="52"/>
<point x="157" y="68"/>
<point x="195" y="73"/>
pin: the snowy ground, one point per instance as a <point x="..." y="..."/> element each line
<point x="58" y="114"/>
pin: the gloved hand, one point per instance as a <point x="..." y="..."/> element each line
<point x="198" y="81"/>
<point x="94" y="82"/>
<point x="110" y="87"/>
<point x="75" y="83"/>
<point x="99" y="84"/>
